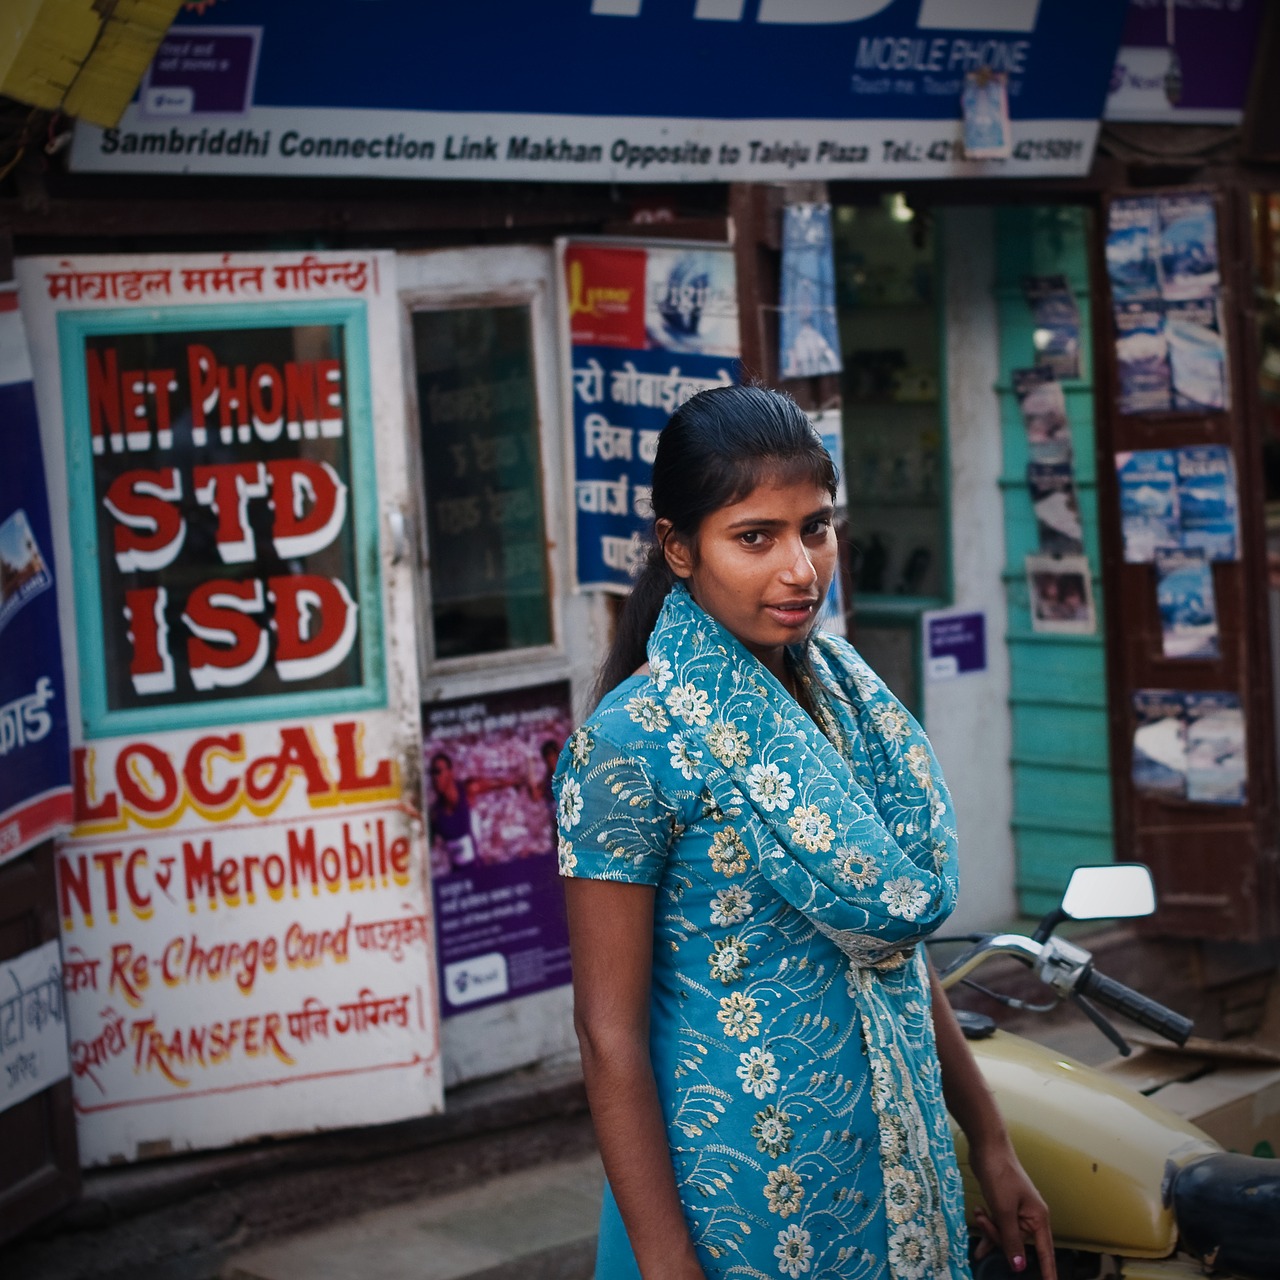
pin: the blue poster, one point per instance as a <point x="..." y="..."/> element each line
<point x="649" y="327"/>
<point x="1207" y="502"/>
<point x="808" y="336"/>
<point x="35" y="768"/>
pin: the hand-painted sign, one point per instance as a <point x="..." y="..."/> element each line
<point x="242" y="896"/>
<point x="614" y="90"/>
<point x="648" y="328"/>
<point x="35" y="780"/>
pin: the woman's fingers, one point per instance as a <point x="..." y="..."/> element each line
<point x="1010" y="1237"/>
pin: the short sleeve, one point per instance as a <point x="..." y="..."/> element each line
<point x="613" y="823"/>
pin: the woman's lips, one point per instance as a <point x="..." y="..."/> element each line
<point x="792" y="613"/>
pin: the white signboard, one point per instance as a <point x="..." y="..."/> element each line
<point x="33" y="1029"/>
<point x="243" y="896"/>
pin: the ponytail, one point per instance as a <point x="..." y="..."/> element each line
<point x="635" y="623"/>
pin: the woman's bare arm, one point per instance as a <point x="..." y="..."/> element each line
<point x="611" y="936"/>
<point x="1017" y="1212"/>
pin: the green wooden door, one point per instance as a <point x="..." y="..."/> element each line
<point x="1061" y="768"/>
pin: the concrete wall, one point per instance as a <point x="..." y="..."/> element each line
<point x="968" y="717"/>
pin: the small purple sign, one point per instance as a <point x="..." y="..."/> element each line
<point x="499" y="906"/>
<point x="1186" y="61"/>
<point x="955" y="644"/>
<point x="202" y="71"/>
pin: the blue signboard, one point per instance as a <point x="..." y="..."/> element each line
<point x="649" y="326"/>
<point x="35" y="769"/>
<point x="613" y="90"/>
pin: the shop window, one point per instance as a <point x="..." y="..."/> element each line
<point x="488" y="577"/>
<point x="887" y="287"/>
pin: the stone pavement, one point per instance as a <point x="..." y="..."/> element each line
<point x="535" y="1224"/>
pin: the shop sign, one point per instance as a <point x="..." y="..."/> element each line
<point x="35" y="780"/>
<point x="242" y="901"/>
<point x="614" y="90"/>
<point x="649" y="326"/>
<point x="1187" y="62"/>
<point x="33" y="1027"/>
<point x="491" y="813"/>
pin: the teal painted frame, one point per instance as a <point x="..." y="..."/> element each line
<point x="73" y="328"/>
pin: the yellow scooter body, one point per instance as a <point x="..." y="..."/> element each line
<point x="1095" y="1149"/>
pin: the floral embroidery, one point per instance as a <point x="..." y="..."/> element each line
<point x="689" y="703"/>
<point x="729" y="855"/>
<point x="783" y="1190"/>
<point x="567" y="858"/>
<point x="919" y="763"/>
<point x="857" y="868"/>
<point x="812" y="828"/>
<point x="728" y="743"/>
<point x="728" y="959"/>
<point x="901" y="1193"/>
<point x="770" y="787"/>
<point x="772" y="1130"/>
<point x="731" y="906"/>
<point x="581" y="745"/>
<point x="793" y="1251"/>
<point x="684" y="757"/>
<point x="647" y="714"/>
<point x="660" y="670"/>
<point x="892" y="723"/>
<point x="739" y="1015"/>
<point x="570" y="809"/>
<point x="910" y="1251"/>
<point x="757" y="1071"/>
<point x="905" y="897"/>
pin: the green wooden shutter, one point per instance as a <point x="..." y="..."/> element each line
<point x="1058" y="698"/>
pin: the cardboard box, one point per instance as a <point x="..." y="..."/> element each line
<point x="1238" y="1106"/>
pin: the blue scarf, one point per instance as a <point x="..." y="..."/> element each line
<point x="859" y="839"/>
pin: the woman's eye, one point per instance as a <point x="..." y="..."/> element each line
<point x="818" y="527"/>
<point x="752" y="538"/>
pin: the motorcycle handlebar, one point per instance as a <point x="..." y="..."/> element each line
<point x="1134" y="1005"/>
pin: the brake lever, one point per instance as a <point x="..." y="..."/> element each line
<point x="1102" y="1024"/>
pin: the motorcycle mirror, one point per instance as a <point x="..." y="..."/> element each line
<point x="1117" y="891"/>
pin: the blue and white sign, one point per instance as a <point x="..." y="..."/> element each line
<point x="35" y="760"/>
<point x="649" y="326"/>
<point x="613" y="90"/>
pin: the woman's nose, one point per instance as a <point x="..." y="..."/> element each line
<point x="800" y="568"/>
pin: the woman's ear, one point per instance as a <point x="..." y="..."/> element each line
<point x="674" y="548"/>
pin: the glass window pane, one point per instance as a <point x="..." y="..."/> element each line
<point x="478" y="418"/>
<point x="887" y="297"/>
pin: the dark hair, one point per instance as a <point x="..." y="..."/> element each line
<point x="715" y="449"/>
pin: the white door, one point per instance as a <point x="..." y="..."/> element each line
<point x="507" y="651"/>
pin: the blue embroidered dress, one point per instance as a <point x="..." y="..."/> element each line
<point x="791" y="1035"/>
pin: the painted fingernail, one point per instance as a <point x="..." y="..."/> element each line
<point x="1019" y="1263"/>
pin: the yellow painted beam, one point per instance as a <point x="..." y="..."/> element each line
<point x="84" y="57"/>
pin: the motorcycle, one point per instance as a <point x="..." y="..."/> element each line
<point x="1135" y="1192"/>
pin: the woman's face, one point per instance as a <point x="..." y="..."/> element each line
<point x="761" y="566"/>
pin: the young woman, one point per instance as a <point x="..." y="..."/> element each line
<point x="755" y="836"/>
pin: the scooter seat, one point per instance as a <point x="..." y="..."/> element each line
<point x="1228" y="1213"/>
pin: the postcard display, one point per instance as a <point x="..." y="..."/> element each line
<point x="246" y="938"/>
<point x="1059" y="581"/>
<point x="1179" y="505"/>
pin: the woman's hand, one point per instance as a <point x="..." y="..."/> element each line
<point x="1014" y="1212"/>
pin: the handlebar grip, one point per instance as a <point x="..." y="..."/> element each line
<point x="1134" y="1005"/>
